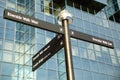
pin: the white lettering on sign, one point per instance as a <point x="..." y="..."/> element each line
<point x="36" y="57"/>
<point x="14" y="16"/>
<point x="102" y="41"/>
<point x="23" y="18"/>
<point x="109" y="43"/>
<point x="26" y="19"/>
<point x="105" y="42"/>
<point x="44" y="57"/>
<point x="97" y="40"/>
<point x="41" y="52"/>
<point x="35" y="65"/>
<point x="34" y="21"/>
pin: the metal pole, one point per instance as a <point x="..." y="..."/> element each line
<point x="68" y="52"/>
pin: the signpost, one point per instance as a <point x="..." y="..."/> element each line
<point x="61" y="40"/>
<point x="65" y="18"/>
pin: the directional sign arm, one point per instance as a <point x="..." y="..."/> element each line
<point x="91" y="39"/>
<point x="47" y="52"/>
<point x="24" y="19"/>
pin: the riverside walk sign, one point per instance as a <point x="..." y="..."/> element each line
<point x="46" y="52"/>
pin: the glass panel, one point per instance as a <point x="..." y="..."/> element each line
<point x="78" y="13"/>
<point x="91" y="55"/>
<point x="52" y="75"/>
<point x="93" y="66"/>
<point x="74" y="51"/>
<point x="1" y="44"/>
<point x="87" y="75"/>
<point x="49" y="18"/>
<point x="1" y="53"/>
<point x="1" y="32"/>
<point x="101" y="68"/>
<point x="95" y="76"/>
<point x="87" y="25"/>
<point x="1" y="11"/>
<point x="7" y="69"/>
<point x="103" y="77"/>
<point x="8" y="45"/>
<point x="41" y="74"/>
<point x="76" y="62"/>
<point x="96" y="47"/>
<point x="9" y="34"/>
<point x="114" y="61"/>
<point x="78" y="74"/>
<point x="5" y="78"/>
<point x="85" y="16"/>
<point x="109" y="69"/>
<point x="11" y="4"/>
<point x="7" y="56"/>
<point x="85" y="64"/>
<point x="10" y="24"/>
<point x="50" y="64"/>
<point x="41" y="38"/>
<point x="83" y="52"/>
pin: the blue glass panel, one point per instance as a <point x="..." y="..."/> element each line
<point x="83" y="52"/>
<point x="95" y="76"/>
<point x="1" y="44"/>
<point x="87" y="75"/>
<point x="52" y="75"/>
<point x="117" y="71"/>
<point x="41" y="74"/>
<point x="79" y="22"/>
<point x="78" y="74"/>
<point x="9" y="34"/>
<point x="93" y="66"/>
<point x="103" y="77"/>
<point x="1" y="11"/>
<point x="109" y="69"/>
<point x="1" y="55"/>
<point x="85" y="64"/>
<point x="49" y="18"/>
<point x="78" y="13"/>
<point x="75" y="51"/>
<point x="1" y="32"/>
<point x="5" y="78"/>
<point x="41" y="38"/>
<point x="50" y="64"/>
<point x="7" y="70"/>
<point x="76" y="62"/>
<point x="101" y="67"/>
<point x="87" y="25"/>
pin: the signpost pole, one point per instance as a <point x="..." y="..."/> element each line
<point x="68" y="53"/>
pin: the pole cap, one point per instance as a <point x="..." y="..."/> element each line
<point x="64" y="14"/>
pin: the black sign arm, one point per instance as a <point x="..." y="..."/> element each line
<point x="91" y="39"/>
<point x="47" y="52"/>
<point x="27" y="20"/>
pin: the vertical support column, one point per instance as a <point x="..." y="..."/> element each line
<point x="68" y="52"/>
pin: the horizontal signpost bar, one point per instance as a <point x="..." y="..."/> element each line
<point x="14" y="16"/>
<point x="24" y="19"/>
<point x="91" y="39"/>
<point x="47" y="52"/>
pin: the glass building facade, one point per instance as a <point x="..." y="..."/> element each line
<point x="19" y="42"/>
